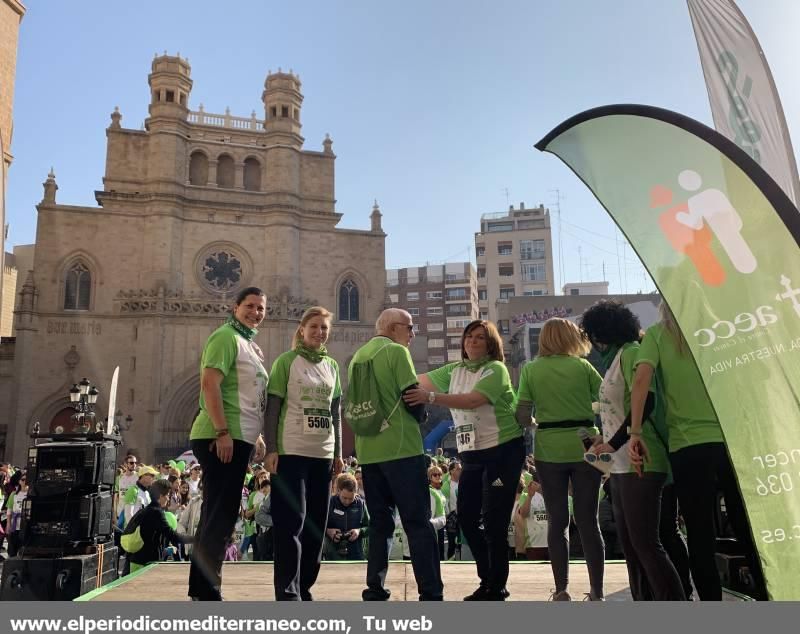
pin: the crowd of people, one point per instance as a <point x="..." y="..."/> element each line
<point x="640" y="441"/>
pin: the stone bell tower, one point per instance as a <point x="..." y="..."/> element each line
<point x="282" y="105"/>
<point x="170" y="85"/>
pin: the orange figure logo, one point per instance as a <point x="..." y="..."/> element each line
<point x="694" y="243"/>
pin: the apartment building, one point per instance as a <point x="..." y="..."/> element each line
<point x="442" y="299"/>
<point x="514" y="255"/>
<point x="586" y="288"/>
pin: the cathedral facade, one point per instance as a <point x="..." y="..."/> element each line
<point x="193" y="208"/>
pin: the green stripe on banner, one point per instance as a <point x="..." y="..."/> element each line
<point x="720" y="239"/>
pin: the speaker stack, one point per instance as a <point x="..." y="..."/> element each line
<point x="67" y="519"/>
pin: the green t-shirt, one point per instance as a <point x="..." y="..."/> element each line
<point x="305" y="424"/>
<point x="394" y="372"/>
<point x="659" y="462"/>
<point x="690" y="417"/>
<point x="440" y="502"/>
<point x="491" y="424"/>
<point x="243" y="386"/>
<point x="561" y="388"/>
<point x="253" y="501"/>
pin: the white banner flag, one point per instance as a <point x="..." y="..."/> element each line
<point x="744" y="101"/>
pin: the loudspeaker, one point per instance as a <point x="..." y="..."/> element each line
<point x="56" y="468"/>
<point x="53" y="522"/>
<point x="57" y="579"/>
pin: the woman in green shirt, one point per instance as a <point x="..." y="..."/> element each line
<point x="233" y="391"/>
<point x="562" y="386"/>
<point x="303" y="436"/>
<point x="700" y="463"/>
<point x="636" y="497"/>
<point x="481" y="399"/>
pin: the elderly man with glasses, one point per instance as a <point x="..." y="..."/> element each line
<point x="393" y="463"/>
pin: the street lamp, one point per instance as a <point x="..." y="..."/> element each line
<point x="83" y="397"/>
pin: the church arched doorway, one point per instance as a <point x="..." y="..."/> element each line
<point x="63" y="420"/>
<point x="180" y="409"/>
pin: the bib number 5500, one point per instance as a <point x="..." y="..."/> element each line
<point x="318" y="422"/>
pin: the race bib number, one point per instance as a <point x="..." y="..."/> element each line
<point x="316" y="422"/>
<point x="465" y="438"/>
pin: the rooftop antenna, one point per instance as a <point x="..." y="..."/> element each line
<point x="625" y="270"/>
<point x="557" y="208"/>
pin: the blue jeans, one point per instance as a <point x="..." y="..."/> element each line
<point x="247" y="541"/>
<point x="401" y="484"/>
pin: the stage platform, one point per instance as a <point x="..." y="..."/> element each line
<point x="344" y="581"/>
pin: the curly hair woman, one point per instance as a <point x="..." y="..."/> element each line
<point x="614" y="331"/>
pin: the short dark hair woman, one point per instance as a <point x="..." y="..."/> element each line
<point x="233" y="384"/>
<point x="478" y="392"/>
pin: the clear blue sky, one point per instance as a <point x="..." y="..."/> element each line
<point x="433" y="107"/>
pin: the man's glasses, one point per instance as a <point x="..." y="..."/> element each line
<point x="410" y="327"/>
<point x="131" y="462"/>
<point x="436" y="475"/>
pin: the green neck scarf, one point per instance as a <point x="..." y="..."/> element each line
<point x="247" y="333"/>
<point x="315" y="355"/>
<point x="477" y="364"/>
<point x="608" y="355"/>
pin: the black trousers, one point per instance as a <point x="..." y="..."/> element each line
<point x="637" y="511"/>
<point x="486" y="492"/>
<point x="699" y="472"/>
<point x="222" y="498"/>
<point x="401" y="484"/>
<point x="300" y="496"/>
<point x="555" y="478"/>
<point x="672" y="538"/>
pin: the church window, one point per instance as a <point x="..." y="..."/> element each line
<point x="225" y="172"/>
<point x="348" y="301"/>
<point x="273" y="112"/>
<point x="77" y="288"/>
<point x="182" y="99"/>
<point x="198" y="169"/>
<point x="222" y="271"/>
<point x="170" y="96"/>
<point x="284" y="111"/>
<point x="252" y="175"/>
